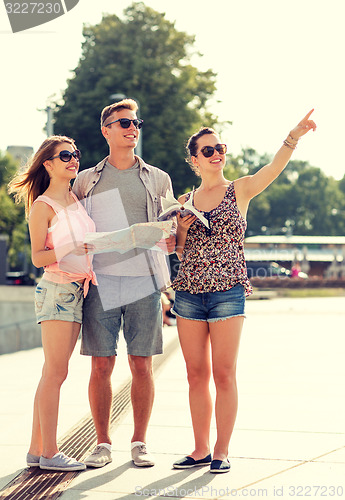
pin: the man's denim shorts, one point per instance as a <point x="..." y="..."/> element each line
<point x="57" y="301"/>
<point x="141" y="321"/>
<point x="210" y="306"/>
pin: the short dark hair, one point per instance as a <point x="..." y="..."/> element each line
<point x="117" y="106"/>
<point x="192" y="146"/>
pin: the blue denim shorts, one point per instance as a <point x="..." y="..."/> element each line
<point x="57" y="301"/>
<point x="141" y="321"/>
<point x="210" y="306"/>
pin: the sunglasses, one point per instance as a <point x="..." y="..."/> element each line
<point x="125" y="122"/>
<point x="66" y="156"/>
<point x="208" y="151"/>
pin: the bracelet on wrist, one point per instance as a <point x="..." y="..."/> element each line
<point x="289" y="145"/>
<point x="293" y="140"/>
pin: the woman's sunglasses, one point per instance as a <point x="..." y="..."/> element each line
<point x="66" y="156"/>
<point x="208" y="151"/>
<point x="125" y="122"/>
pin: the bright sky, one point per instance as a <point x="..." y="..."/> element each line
<point x="275" y="61"/>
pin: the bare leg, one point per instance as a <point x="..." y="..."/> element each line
<point x="36" y="445"/>
<point x="225" y="339"/>
<point x="195" y="344"/>
<point x="142" y="394"/>
<point x="100" y="395"/>
<point x="58" y="340"/>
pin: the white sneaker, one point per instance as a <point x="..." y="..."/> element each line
<point x="32" y="460"/>
<point x="99" y="457"/>
<point x="61" y="462"/>
<point x="140" y="456"/>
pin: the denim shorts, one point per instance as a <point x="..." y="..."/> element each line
<point x="210" y="306"/>
<point x="57" y="301"/>
<point x="141" y="321"/>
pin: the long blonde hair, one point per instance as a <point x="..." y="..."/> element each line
<point x="34" y="180"/>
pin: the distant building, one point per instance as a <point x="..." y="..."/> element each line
<point x="20" y="153"/>
<point x="315" y="254"/>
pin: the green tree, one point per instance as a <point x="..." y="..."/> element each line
<point x="312" y="201"/>
<point x="342" y="185"/>
<point x="338" y="207"/>
<point x="8" y="168"/>
<point x="12" y="216"/>
<point x="142" y="56"/>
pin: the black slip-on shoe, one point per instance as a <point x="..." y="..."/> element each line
<point x="188" y="462"/>
<point x="218" y="466"/>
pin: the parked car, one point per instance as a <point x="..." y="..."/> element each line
<point x="19" y="278"/>
<point x="270" y="270"/>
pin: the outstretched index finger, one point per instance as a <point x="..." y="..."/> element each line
<point x="308" y="115"/>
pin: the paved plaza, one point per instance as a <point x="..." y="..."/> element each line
<point x="289" y="438"/>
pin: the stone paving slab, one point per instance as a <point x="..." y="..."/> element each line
<point x="290" y="430"/>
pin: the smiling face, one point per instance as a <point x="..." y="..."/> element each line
<point x="214" y="163"/>
<point x="118" y="137"/>
<point x="57" y="168"/>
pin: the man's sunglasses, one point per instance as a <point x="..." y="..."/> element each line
<point x="66" y="156"/>
<point x="125" y="122"/>
<point x="208" y="151"/>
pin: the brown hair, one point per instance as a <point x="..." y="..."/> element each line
<point x="192" y="146"/>
<point x="117" y="106"/>
<point x="34" y="180"/>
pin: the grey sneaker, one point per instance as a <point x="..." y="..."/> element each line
<point x="99" y="457"/>
<point x="140" y="456"/>
<point x="32" y="460"/>
<point x="61" y="462"/>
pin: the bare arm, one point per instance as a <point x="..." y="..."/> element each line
<point x="251" y="185"/>
<point x="40" y="217"/>
<point x="183" y="224"/>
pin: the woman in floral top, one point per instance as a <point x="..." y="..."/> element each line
<point x="212" y="283"/>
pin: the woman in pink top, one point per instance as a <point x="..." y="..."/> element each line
<point x="57" y="224"/>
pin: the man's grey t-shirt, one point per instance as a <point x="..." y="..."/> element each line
<point x="118" y="201"/>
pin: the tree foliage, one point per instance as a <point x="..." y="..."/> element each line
<point x="144" y="57"/>
<point x="8" y="168"/>
<point x="12" y="216"/>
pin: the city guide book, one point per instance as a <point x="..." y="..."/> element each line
<point x="171" y="207"/>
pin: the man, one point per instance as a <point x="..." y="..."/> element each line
<point x="121" y="190"/>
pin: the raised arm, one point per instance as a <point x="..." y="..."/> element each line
<point x="251" y="185"/>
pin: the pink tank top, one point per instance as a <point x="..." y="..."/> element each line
<point x="69" y="225"/>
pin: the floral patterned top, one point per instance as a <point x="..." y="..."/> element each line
<point x="213" y="258"/>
